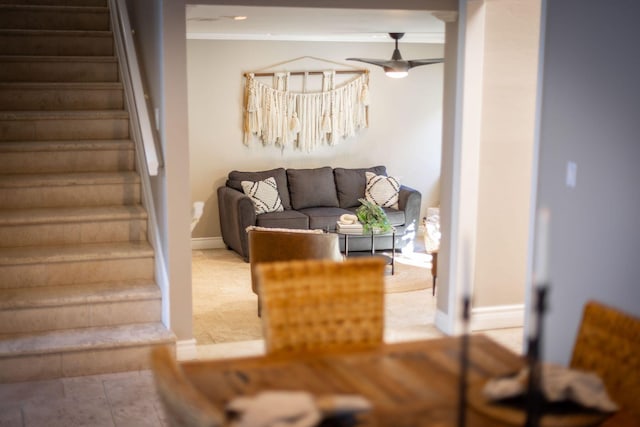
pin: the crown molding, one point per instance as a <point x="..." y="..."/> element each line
<point x="431" y="38"/>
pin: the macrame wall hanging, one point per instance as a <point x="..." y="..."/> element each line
<point x="305" y="119"/>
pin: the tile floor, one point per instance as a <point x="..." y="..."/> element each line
<point x="123" y="399"/>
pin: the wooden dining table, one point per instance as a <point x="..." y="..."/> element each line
<point x="409" y="384"/>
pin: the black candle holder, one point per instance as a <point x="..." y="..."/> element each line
<point x="535" y="396"/>
<point x="464" y="364"/>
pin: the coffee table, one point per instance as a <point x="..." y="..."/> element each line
<point x="390" y="259"/>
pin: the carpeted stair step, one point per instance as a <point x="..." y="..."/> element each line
<point x="24" y="68"/>
<point x="28" y="310"/>
<point x="67" y="156"/>
<point x="90" y="3"/>
<point x="68" y="226"/>
<point x="19" y="191"/>
<point x="61" y="96"/>
<point x="56" y="42"/>
<point x="53" y="17"/>
<point x="76" y="352"/>
<point x="75" y="264"/>
<point x="63" y="125"/>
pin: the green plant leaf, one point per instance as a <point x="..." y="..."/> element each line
<point x="372" y="217"/>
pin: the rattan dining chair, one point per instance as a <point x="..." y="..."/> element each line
<point x="322" y="305"/>
<point x="269" y="245"/>
<point x="608" y="343"/>
<point x="183" y="404"/>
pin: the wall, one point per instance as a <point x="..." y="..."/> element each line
<point x="589" y="115"/>
<point x="491" y="131"/>
<point x="405" y="132"/>
<point x="511" y="43"/>
<point x="157" y="32"/>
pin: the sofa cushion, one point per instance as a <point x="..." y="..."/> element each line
<point x="324" y="218"/>
<point x="283" y="230"/>
<point x="236" y="177"/>
<point x="395" y="216"/>
<point x="351" y="183"/>
<point x="284" y="219"/>
<point x="382" y="190"/>
<point x="264" y="195"/>
<point x="312" y="188"/>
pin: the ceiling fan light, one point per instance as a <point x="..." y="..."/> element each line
<point x="394" y="74"/>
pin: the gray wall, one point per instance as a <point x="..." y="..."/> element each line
<point x="590" y="115"/>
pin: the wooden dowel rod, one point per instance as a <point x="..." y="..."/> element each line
<point x="311" y="73"/>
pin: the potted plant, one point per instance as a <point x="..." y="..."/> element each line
<point x="372" y="217"/>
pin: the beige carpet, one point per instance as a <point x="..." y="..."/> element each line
<point x="225" y="308"/>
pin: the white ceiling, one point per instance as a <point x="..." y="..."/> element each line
<point x="307" y="24"/>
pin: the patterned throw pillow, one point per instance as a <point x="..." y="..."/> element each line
<point x="264" y="195"/>
<point x="382" y="190"/>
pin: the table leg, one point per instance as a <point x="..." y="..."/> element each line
<point x="434" y="270"/>
<point x="393" y="253"/>
<point x="346" y="245"/>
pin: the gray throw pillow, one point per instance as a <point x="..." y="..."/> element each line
<point x="279" y="174"/>
<point x="312" y="188"/>
<point x="351" y="184"/>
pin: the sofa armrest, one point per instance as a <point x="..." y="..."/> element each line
<point x="237" y="212"/>
<point x="409" y="201"/>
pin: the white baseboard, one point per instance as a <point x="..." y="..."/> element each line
<point x="484" y="318"/>
<point x="207" y="243"/>
<point x="186" y="350"/>
<point x="497" y="317"/>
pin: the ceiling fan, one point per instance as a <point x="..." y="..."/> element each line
<point x="397" y="67"/>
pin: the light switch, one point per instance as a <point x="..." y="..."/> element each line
<point x="572" y="172"/>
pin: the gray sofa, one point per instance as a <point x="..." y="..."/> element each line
<point x="312" y="199"/>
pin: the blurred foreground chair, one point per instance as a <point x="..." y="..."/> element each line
<point x="322" y="305"/>
<point x="269" y="245"/>
<point x="183" y="404"/>
<point x="608" y="343"/>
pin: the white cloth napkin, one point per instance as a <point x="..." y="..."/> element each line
<point x="558" y="384"/>
<point x="292" y="408"/>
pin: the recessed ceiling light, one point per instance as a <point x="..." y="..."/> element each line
<point x="239" y="18"/>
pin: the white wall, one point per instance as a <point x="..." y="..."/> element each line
<point x="405" y="132"/>
<point x="486" y="193"/>
<point x="590" y="105"/>
<point x="159" y="27"/>
<point x="511" y="45"/>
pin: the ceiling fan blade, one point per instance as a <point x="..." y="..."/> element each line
<point x="397" y="65"/>
<point x="379" y="62"/>
<point x="419" y="62"/>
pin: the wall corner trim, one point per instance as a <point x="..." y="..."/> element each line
<point x="186" y="350"/>
<point x="443" y="323"/>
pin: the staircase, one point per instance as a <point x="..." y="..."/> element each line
<point x="77" y="288"/>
